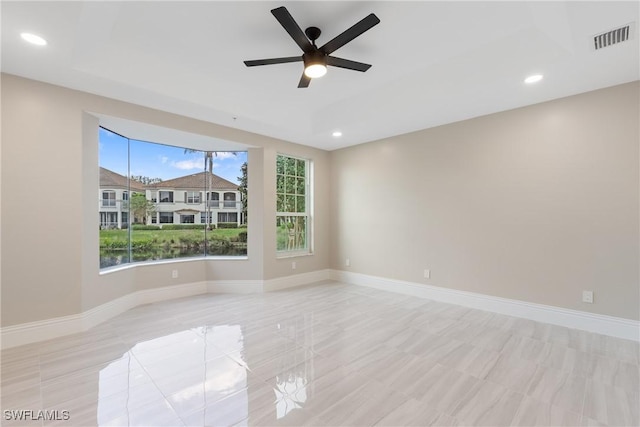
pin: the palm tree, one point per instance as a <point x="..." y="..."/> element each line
<point x="208" y="167"/>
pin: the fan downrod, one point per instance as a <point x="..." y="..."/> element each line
<point x="313" y="33"/>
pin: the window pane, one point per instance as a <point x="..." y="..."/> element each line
<point x="165" y="203"/>
<point x="289" y="203"/>
<point x="290" y="166"/>
<point x="113" y="213"/>
<point x="280" y="165"/>
<point x="166" y="197"/>
<point x="187" y="219"/>
<point x="290" y="185"/>
<point x="193" y="197"/>
<point x="300" y="168"/>
<point x="300" y="204"/>
<point x="280" y="183"/>
<point x="291" y="233"/>
<point x="279" y="203"/>
<point x="291" y="197"/>
<point x="166" y="217"/>
<point x="301" y="187"/>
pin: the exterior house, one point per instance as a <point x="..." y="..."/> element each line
<point x="180" y="200"/>
<point x="113" y="203"/>
<point x="183" y="201"/>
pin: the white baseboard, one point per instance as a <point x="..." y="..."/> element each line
<point x="235" y="286"/>
<point x="27" y="333"/>
<point x="296" y="280"/>
<point x="257" y="286"/>
<point x="149" y="296"/>
<point x="42" y="330"/>
<point x="598" y="323"/>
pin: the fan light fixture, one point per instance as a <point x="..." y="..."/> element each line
<point x="315" y="64"/>
<point x="314" y="71"/>
<point x="316" y="59"/>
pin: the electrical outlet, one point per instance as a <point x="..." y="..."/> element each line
<point x="347" y="262"/>
<point x="587" y="296"/>
<point x="293" y="265"/>
<point x="427" y="273"/>
<point x="174" y="274"/>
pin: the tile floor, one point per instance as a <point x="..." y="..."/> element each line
<point x="329" y="354"/>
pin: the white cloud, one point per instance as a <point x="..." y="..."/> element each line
<point x="189" y="164"/>
<point x="224" y="155"/>
<point x="164" y="159"/>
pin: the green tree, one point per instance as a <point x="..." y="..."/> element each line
<point x="243" y="191"/>
<point x="145" y="179"/>
<point x="141" y="208"/>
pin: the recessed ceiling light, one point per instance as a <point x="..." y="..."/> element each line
<point x="337" y="134"/>
<point x="33" y="39"/>
<point x="533" y="79"/>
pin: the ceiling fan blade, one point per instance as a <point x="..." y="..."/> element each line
<point x="288" y="23"/>
<point x="345" y="37"/>
<point x="271" y="61"/>
<point x="349" y="65"/>
<point x="304" y="81"/>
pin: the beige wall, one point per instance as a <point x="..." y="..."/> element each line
<point x="49" y="230"/>
<point x="534" y="204"/>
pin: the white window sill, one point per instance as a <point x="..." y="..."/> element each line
<point x="283" y="255"/>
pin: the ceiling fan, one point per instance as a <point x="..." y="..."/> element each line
<point x="316" y="58"/>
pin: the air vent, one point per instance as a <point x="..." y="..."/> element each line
<point x="612" y="37"/>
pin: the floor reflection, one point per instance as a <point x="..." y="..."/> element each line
<point x="207" y="375"/>
<point x="322" y="355"/>
<point x="189" y="369"/>
<point x="291" y="393"/>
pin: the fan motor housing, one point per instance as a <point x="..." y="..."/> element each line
<point x="315" y="57"/>
<point x="313" y="33"/>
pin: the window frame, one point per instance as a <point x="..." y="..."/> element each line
<point x="184" y="219"/>
<point x="163" y="212"/>
<point x="193" y="197"/>
<point x="171" y="196"/>
<point x="226" y="217"/>
<point x="307" y="214"/>
<point x="229" y="200"/>
<point x="110" y="201"/>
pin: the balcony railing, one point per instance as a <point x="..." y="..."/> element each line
<point x="213" y="204"/>
<point x="225" y="204"/>
<point x="111" y="203"/>
<point x="232" y="204"/>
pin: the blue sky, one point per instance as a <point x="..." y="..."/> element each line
<point x="163" y="161"/>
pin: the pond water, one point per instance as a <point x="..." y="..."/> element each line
<point x="116" y="257"/>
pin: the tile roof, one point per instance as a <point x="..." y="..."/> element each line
<point x="196" y="181"/>
<point x="111" y="179"/>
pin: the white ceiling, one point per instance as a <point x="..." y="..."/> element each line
<point x="433" y="62"/>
